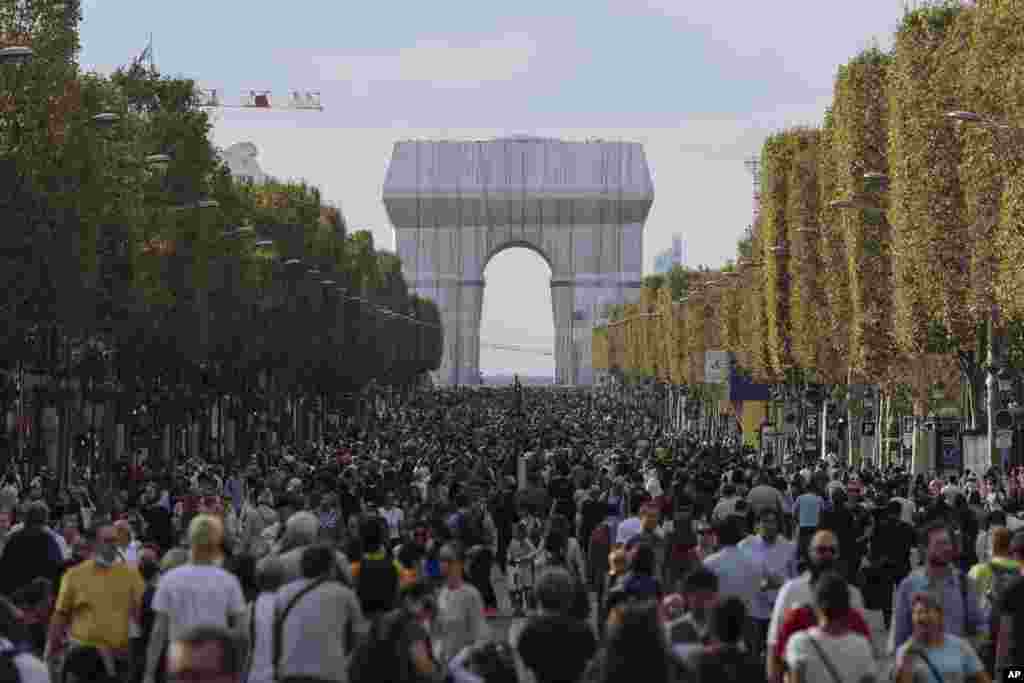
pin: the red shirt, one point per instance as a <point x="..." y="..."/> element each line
<point x="189" y="504"/>
<point x="803" y="618"/>
<point x="664" y="503"/>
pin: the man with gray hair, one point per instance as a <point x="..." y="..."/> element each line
<point x="301" y="531"/>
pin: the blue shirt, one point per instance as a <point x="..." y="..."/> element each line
<point x="955" y="660"/>
<point x="953" y="608"/>
<point x="737" y="574"/>
<point x="808" y="508"/>
<point x="779" y="559"/>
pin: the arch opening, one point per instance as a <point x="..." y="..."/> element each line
<point x="517" y="324"/>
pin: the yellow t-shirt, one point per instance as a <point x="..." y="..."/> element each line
<point x="98" y="602"/>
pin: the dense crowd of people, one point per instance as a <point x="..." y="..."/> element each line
<point x="501" y="535"/>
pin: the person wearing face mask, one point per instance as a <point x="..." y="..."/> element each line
<point x="98" y="600"/>
<point x="823" y="556"/>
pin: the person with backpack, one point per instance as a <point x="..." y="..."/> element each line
<point x="992" y="578"/>
<point x="377" y="582"/>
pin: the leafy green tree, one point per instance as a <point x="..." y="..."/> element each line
<point x="679" y="281"/>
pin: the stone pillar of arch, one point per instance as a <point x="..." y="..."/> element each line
<point x="580" y="205"/>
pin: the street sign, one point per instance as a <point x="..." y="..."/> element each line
<point x="868" y="429"/>
<point x="908" y="425"/>
<point x="1004" y="439"/>
<point x="716" y="367"/>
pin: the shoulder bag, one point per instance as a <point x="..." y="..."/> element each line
<point x="825" y="660"/>
<point x="927" y="660"/>
<point x="279" y="618"/>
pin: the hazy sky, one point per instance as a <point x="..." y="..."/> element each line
<point x="699" y="83"/>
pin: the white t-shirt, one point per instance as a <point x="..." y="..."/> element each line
<point x="198" y="595"/>
<point x="950" y="492"/>
<point x="907" y="509"/>
<point x="797" y="592"/>
<point x="393" y="516"/>
<point x="628" y="529"/>
<point x="850" y="655"/>
<point x="460" y="621"/>
<point x="725" y="508"/>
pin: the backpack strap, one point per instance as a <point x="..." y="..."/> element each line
<point x="824" y="659"/>
<point x="252" y="635"/>
<point x="968" y="632"/>
<point x="927" y="660"/>
<point x="279" y="619"/>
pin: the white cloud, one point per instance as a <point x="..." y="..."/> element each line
<point x="441" y="63"/>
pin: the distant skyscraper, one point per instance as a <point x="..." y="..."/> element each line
<point x="673" y="256"/>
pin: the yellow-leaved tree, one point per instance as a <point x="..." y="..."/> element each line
<point x="860" y="144"/>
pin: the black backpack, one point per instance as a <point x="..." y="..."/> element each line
<point x="377" y="587"/>
<point x="1002" y="577"/>
<point x="474" y="531"/>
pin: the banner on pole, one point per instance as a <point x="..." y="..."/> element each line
<point x="717" y="365"/>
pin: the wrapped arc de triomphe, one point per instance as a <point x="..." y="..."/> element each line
<point x="580" y="205"/>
